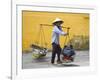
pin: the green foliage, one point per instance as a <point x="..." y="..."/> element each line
<point x="80" y="42"/>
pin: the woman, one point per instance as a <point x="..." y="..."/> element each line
<point x="57" y="31"/>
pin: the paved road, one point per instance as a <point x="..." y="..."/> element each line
<point x="81" y="59"/>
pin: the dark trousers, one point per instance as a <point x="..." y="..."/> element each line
<point x="56" y="49"/>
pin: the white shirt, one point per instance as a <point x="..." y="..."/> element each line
<point x="56" y="33"/>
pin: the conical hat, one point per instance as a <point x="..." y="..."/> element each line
<point x="57" y="20"/>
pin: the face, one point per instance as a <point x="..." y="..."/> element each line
<point x="58" y="24"/>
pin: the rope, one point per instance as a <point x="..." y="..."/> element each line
<point x="44" y="38"/>
<point x="38" y="36"/>
<point x="41" y="38"/>
<point x="67" y="37"/>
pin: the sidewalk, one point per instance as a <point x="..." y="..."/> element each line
<point x="81" y="59"/>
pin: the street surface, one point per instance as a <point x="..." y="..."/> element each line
<point x="81" y="59"/>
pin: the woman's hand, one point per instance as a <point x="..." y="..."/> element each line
<point x="65" y="34"/>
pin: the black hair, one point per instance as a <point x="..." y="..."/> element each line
<point x="71" y="46"/>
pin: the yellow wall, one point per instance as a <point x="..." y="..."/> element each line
<point x="79" y="24"/>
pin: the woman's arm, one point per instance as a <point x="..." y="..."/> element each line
<point x="57" y="30"/>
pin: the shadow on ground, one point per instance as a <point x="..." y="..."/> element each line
<point x="81" y="59"/>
